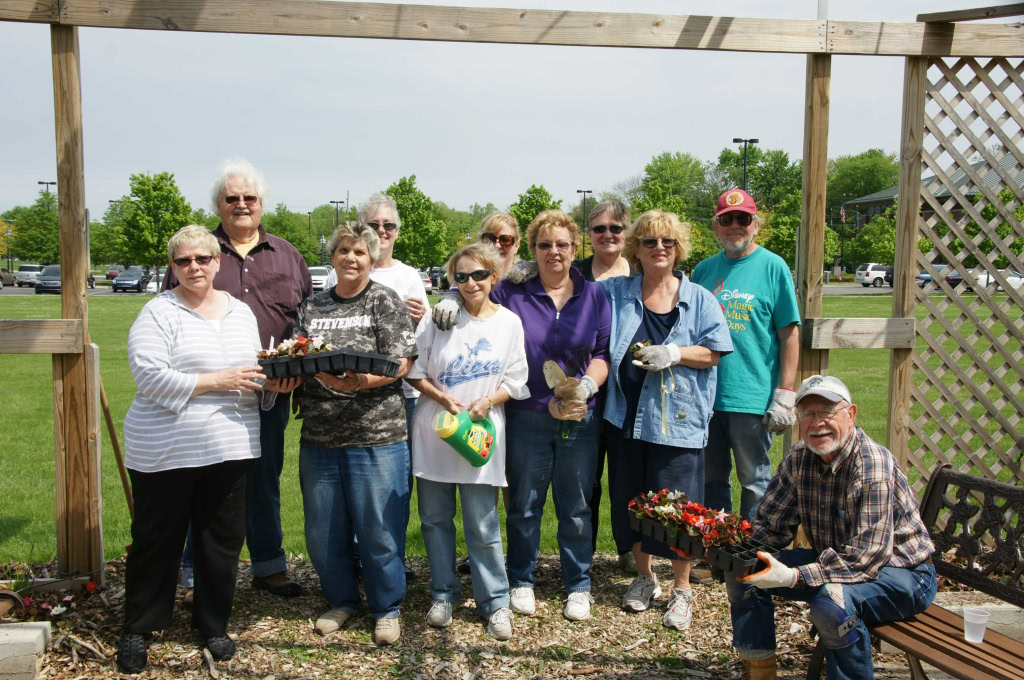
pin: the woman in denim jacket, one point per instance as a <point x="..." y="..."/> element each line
<point x="660" y="397"/>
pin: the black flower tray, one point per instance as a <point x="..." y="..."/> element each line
<point x="656" y="530"/>
<point x="740" y="559"/>
<point x="335" y="361"/>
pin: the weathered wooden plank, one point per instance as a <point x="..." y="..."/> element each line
<point x="41" y="336"/>
<point x="993" y="12"/>
<point x="927" y="40"/>
<point x="60" y="457"/>
<point x="37" y="11"/>
<point x="866" y="333"/>
<point x="93" y="497"/>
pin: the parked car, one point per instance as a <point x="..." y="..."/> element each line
<point x="6" y="278"/>
<point x="924" y="277"/>
<point x="428" y="285"/>
<point x="27" y="274"/>
<point x="113" y="271"/>
<point x="870" y="274"/>
<point x="156" y="283"/>
<point x="133" y="278"/>
<point x="1013" y="279"/>
<point x="889" y="276"/>
<point x="49" y="280"/>
<point x="954" y="279"/>
<point x="319" y="276"/>
<point x="436" y="274"/>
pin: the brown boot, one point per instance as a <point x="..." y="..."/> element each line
<point x="759" y="669"/>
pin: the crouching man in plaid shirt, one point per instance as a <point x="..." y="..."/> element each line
<point x="871" y="556"/>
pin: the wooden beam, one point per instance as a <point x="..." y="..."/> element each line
<point x="907" y="215"/>
<point x="994" y="12"/>
<point x="869" y="333"/>
<point x="77" y="531"/>
<point x="41" y="336"/>
<point x="928" y="40"/>
<point x="36" y="11"/>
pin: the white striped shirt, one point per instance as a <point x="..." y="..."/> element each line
<point x="166" y="428"/>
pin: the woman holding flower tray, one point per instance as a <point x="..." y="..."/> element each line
<point x="667" y="336"/>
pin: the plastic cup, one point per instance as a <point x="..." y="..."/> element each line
<point x="975" y="622"/>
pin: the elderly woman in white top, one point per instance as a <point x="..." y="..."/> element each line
<point x="191" y="434"/>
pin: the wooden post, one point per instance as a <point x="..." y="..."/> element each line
<point x="810" y="239"/>
<point x="907" y="215"/>
<point x="76" y="414"/>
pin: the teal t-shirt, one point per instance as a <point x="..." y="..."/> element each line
<point x="757" y="297"/>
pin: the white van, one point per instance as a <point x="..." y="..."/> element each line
<point x="28" y="274"/>
<point x="870" y="274"/>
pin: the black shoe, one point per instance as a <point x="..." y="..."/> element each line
<point x="463" y="566"/>
<point x="278" y="584"/>
<point x="221" y="647"/>
<point x="131" y="654"/>
<point x="410" y="575"/>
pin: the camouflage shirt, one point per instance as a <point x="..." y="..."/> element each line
<point x="375" y="320"/>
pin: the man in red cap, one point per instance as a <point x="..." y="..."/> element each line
<point x="755" y="396"/>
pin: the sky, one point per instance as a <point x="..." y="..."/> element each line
<point x="330" y="118"/>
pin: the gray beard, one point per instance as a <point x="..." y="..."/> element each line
<point x="831" y="448"/>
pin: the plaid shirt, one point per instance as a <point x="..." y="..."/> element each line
<point x="859" y="512"/>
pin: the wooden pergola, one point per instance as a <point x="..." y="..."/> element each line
<point x="922" y="44"/>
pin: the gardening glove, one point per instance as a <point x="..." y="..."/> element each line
<point x="522" y="271"/>
<point x="777" y="575"/>
<point x="446" y="312"/>
<point x="781" y="415"/>
<point x="562" y="409"/>
<point x="577" y="389"/>
<point x="656" y="357"/>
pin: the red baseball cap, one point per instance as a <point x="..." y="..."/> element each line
<point x="736" y="200"/>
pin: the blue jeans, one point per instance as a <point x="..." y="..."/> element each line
<point x="744" y="436"/>
<point x="894" y="595"/>
<point x="483" y="541"/>
<point x="364" y="493"/>
<point x="538" y="456"/>
<point x="263" y="527"/>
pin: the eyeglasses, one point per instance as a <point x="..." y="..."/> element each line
<point x="666" y="243"/>
<point x="248" y="198"/>
<point x="809" y="416"/>
<point x="201" y="260"/>
<point x="388" y="226"/>
<point x="504" y="239"/>
<point x="600" y="228"/>
<point x="561" y="246"/>
<point x="478" y="275"/>
<point x="743" y="219"/>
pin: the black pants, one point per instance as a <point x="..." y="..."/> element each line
<point x="212" y="497"/>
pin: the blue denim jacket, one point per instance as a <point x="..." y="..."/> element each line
<point x="675" y="404"/>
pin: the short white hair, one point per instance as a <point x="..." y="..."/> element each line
<point x="193" y="235"/>
<point x="375" y="203"/>
<point x="237" y="167"/>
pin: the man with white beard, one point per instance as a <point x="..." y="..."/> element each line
<point x="870" y="560"/>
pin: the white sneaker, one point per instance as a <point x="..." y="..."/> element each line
<point x="577" y="607"/>
<point x="499" y="624"/>
<point x="521" y="601"/>
<point x="387" y="631"/>
<point x="641" y="591"/>
<point x="440" y="614"/>
<point x="331" y="621"/>
<point x="680" y="610"/>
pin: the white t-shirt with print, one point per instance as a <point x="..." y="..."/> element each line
<point x="470" y="361"/>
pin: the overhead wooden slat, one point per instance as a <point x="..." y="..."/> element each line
<point x="870" y="333"/>
<point x="40" y="336"/>
<point x="994" y="12"/>
<point x="38" y="11"/>
<point x="926" y="40"/>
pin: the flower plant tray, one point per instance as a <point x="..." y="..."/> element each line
<point x="656" y="530"/>
<point x="740" y="559"/>
<point x="335" y="361"/>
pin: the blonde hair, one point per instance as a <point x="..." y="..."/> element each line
<point x="614" y="207"/>
<point x="657" y="224"/>
<point x="496" y="220"/>
<point x="195" y="236"/>
<point x="482" y="253"/>
<point x="551" y="219"/>
<point x="358" y="232"/>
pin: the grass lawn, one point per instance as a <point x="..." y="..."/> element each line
<point x="27" y="524"/>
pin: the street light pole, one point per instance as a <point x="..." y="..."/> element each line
<point x="737" y="140"/>
<point x="47" y="185"/>
<point x="585" y="225"/>
<point x="309" y="223"/>
<point x="337" y="204"/>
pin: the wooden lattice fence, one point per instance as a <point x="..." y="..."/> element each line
<point x="968" y="366"/>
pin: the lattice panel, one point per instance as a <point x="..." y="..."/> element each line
<point x="966" y="402"/>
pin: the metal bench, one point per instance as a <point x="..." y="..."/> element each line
<point x="963" y="514"/>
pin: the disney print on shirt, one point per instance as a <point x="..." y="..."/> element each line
<point x="736" y="305"/>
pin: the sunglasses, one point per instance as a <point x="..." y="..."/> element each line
<point x="248" y="198"/>
<point x="504" y="239"/>
<point x="561" y="246"/>
<point x="666" y="243"/>
<point x="388" y="226"/>
<point x="600" y="228"/>
<point x="201" y="260"/>
<point x="743" y="219"/>
<point x="478" y="275"/>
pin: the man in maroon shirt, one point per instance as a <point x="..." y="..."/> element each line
<point x="268" y="274"/>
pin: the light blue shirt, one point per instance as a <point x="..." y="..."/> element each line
<point x="675" y="404"/>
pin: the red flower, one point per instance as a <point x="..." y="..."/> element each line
<point x="91" y="586"/>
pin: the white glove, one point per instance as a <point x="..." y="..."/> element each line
<point x="781" y="415"/>
<point x="777" y="575"/>
<point x="656" y="357"/>
<point x="577" y="390"/>
<point x="447" y="311"/>
<point x="522" y="271"/>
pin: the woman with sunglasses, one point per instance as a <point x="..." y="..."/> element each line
<point x="660" y="397"/>
<point x="191" y="436"/>
<point x="501" y="230"/>
<point x="606" y="226"/>
<point x="476" y="366"/>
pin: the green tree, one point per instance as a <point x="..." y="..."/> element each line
<point x="851" y="177"/>
<point x="294" y="228"/>
<point x="531" y="203"/>
<point x="672" y="182"/>
<point x="155" y="210"/>
<point x="424" y="240"/>
<point x="37" y="236"/>
<point x="876" y="241"/>
<point x="205" y="219"/>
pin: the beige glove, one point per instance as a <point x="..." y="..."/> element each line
<point x="561" y="409"/>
